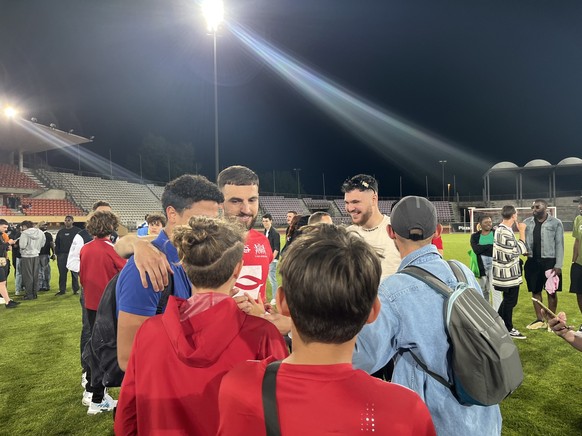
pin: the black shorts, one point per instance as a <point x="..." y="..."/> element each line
<point x="576" y="279"/>
<point x="3" y="273"/>
<point x="534" y="272"/>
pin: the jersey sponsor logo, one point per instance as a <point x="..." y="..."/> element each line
<point x="250" y="279"/>
<point x="260" y="250"/>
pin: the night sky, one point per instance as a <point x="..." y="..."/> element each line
<point x="473" y="83"/>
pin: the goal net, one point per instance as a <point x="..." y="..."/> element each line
<point x="495" y="213"/>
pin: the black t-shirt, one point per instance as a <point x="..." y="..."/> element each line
<point x="65" y="239"/>
<point x="537" y="240"/>
<point x="46" y="249"/>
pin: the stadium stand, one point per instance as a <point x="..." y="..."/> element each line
<point x="4" y="211"/>
<point x="10" y="177"/>
<point x="130" y="201"/>
<point x="278" y="206"/>
<point x="42" y="206"/>
<point x="315" y="205"/>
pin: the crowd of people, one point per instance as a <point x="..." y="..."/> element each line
<point x="203" y="361"/>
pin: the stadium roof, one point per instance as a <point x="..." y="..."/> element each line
<point x="20" y="135"/>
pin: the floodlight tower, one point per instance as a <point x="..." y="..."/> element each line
<point x="443" y="163"/>
<point x="213" y="11"/>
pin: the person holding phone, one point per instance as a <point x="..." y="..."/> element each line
<point x="560" y="327"/>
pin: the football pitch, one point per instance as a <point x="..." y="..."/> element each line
<point x="40" y="373"/>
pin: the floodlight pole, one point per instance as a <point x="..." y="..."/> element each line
<point x="443" y="162"/>
<point x="298" y="188"/>
<point x="216" y="154"/>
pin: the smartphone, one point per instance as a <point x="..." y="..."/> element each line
<point x="543" y="306"/>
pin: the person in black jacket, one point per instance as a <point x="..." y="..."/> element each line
<point x="482" y="245"/>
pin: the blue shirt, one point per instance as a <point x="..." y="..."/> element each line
<point x="411" y="318"/>
<point x="133" y="298"/>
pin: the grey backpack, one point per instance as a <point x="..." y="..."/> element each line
<point x="484" y="361"/>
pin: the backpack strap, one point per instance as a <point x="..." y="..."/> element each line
<point x="269" y="390"/>
<point x="168" y="290"/>
<point x="438" y="285"/>
<point x="457" y="271"/>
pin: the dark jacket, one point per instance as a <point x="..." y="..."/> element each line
<point x="274" y="241"/>
<point x="481" y="250"/>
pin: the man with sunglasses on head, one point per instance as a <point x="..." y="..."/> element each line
<point x="361" y="202"/>
<point x="544" y="239"/>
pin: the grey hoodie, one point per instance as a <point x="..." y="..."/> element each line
<point x="31" y="241"/>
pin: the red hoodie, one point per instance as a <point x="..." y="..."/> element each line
<point x="177" y="362"/>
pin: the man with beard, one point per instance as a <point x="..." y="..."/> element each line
<point x="240" y="187"/>
<point x="544" y="239"/>
<point x="361" y="201"/>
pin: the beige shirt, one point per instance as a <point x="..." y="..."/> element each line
<point x="379" y="239"/>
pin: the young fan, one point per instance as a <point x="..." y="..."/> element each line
<point x="98" y="264"/>
<point x="179" y="358"/>
<point x="330" y="281"/>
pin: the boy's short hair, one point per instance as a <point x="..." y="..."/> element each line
<point x="483" y="218"/>
<point x="268" y="216"/>
<point x="330" y="280"/>
<point x="3" y="222"/>
<point x="188" y="189"/>
<point x="102" y="223"/>
<point x="508" y="211"/>
<point x="153" y="218"/>
<point x="316" y="217"/>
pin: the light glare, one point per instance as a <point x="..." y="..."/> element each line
<point x="10" y="112"/>
<point x="213" y="11"/>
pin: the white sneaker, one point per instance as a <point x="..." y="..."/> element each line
<point x="107" y="405"/>
<point x="87" y="396"/>
<point x="2" y="300"/>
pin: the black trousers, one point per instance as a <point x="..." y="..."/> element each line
<point x="63" y="272"/>
<point x="99" y="390"/>
<point x="505" y="310"/>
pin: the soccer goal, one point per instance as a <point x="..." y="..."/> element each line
<point x="495" y="213"/>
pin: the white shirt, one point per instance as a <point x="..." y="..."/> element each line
<point x="378" y="238"/>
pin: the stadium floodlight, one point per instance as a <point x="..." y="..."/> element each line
<point x="34" y="120"/>
<point x="213" y="11"/>
<point x="10" y="112"/>
<point x="53" y="126"/>
<point x="71" y="132"/>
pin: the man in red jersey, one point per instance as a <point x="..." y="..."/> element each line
<point x="240" y="187"/>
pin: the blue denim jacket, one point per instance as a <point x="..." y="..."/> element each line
<point x="411" y="318"/>
<point x="552" y="239"/>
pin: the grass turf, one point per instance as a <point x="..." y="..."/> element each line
<point x="40" y="373"/>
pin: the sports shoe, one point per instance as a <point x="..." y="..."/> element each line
<point x="2" y="300"/>
<point x="87" y="396"/>
<point x="107" y="405"/>
<point x="11" y="304"/>
<point x="60" y="293"/>
<point x="537" y="324"/>
<point x="515" y="334"/>
<point x="580" y="329"/>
